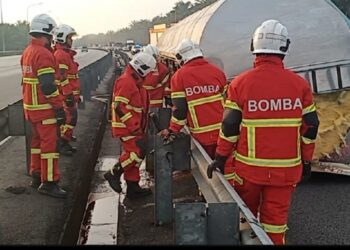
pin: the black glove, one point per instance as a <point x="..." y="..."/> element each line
<point x="218" y="163"/>
<point x="306" y="171"/>
<point x="70" y="100"/>
<point x="60" y="116"/>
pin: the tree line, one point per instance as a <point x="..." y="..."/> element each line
<point x="15" y="36"/>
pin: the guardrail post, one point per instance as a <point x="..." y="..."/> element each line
<point x="206" y="224"/>
<point x="163" y="183"/>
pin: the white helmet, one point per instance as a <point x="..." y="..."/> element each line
<point x="187" y="50"/>
<point x="152" y="50"/>
<point x="43" y="24"/>
<point x="271" y="37"/>
<point x="143" y="63"/>
<point x="62" y="32"/>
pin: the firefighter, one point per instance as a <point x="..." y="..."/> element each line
<point x="43" y="106"/>
<point x="130" y="104"/>
<point x="157" y="80"/>
<point x="197" y="92"/>
<point x="67" y="79"/>
<point x="271" y="124"/>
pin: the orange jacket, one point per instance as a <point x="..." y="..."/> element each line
<point x="273" y="102"/>
<point x="38" y="60"/>
<point x="132" y="99"/>
<point x="155" y="83"/>
<point x="201" y="85"/>
<point x="70" y="83"/>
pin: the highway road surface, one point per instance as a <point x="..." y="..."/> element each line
<point x="10" y="74"/>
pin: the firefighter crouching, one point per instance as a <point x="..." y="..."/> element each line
<point x="68" y="82"/>
<point x="157" y="80"/>
<point x="42" y="106"/>
<point x="197" y="92"/>
<point x="272" y="151"/>
<point x="130" y="104"/>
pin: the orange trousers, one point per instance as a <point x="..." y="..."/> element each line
<point x="271" y="204"/>
<point x="44" y="155"/>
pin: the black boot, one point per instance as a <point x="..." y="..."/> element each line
<point x="36" y="180"/>
<point x="64" y="148"/>
<point x="74" y="138"/>
<point x="71" y="148"/>
<point x="134" y="190"/>
<point x="52" y="189"/>
<point x="113" y="177"/>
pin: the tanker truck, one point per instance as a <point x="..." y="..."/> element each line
<point x="319" y="52"/>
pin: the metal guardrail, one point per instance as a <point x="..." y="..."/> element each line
<point x="218" y="189"/>
<point x="11" y="53"/>
<point x="12" y="117"/>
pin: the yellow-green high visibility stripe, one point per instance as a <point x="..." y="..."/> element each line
<point x="204" y="100"/>
<point x="31" y="80"/>
<point x="64" y="82"/>
<point x="126" y="117"/>
<point x="34" y="95"/>
<point x="136" y="109"/>
<point x="63" y="66"/>
<point x="310" y="109"/>
<point x="307" y="140"/>
<point x="268" y="162"/>
<point x="178" y="122"/>
<point x="50" y="156"/>
<point x="54" y="94"/>
<point x="121" y="99"/>
<point x="165" y="79"/>
<point x="118" y="125"/>
<point x="37" y="107"/>
<point x="175" y="95"/>
<point x="151" y="87"/>
<point x="275" y="229"/>
<point x="35" y="151"/>
<point x="49" y="121"/>
<point x="206" y="128"/>
<point x="232" y="105"/>
<point x="72" y="77"/>
<point x="193" y="104"/>
<point x="45" y="71"/>
<point x="232" y="139"/>
<point x="76" y="92"/>
<point x="272" y="122"/>
<point x="128" y="138"/>
<point x="251" y="142"/>
<point x="156" y="101"/>
<point x="133" y="157"/>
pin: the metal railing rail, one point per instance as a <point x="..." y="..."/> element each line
<point x="218" y="189"/>
<point x="12" y="117"/>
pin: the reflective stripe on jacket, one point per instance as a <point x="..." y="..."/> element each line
<point x="273" y="101"/>
<point x="70" y="83"/>
<point x="202" y="85"/>
<point x="38" y="60"/>
<point x="155" y="82"/>
<point x="133" y="100"/>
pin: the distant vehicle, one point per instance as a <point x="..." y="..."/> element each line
<point x="84" y="49"/>
<point x="130" y="44"/>
<point x="136" y="49"/>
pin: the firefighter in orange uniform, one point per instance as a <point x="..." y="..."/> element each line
<point x="68" y="82"/>
<point x="271" y="122"/>
<point x="197" y="93"/>
<point x="129" y="122"/>
<point x="42" y="105"/>
<point x="157" y="80"/>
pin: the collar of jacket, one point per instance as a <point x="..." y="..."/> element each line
<point x="65" y="48"/>
<point x="196" y="61"/>
<point x="138" y="80"/>
<point x="40" y="42"/>
<point x="268" y="59"/>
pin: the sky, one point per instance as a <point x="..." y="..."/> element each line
<point x="87" y="16"/>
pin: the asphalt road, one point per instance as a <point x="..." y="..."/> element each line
<point x="10" y="74"/>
